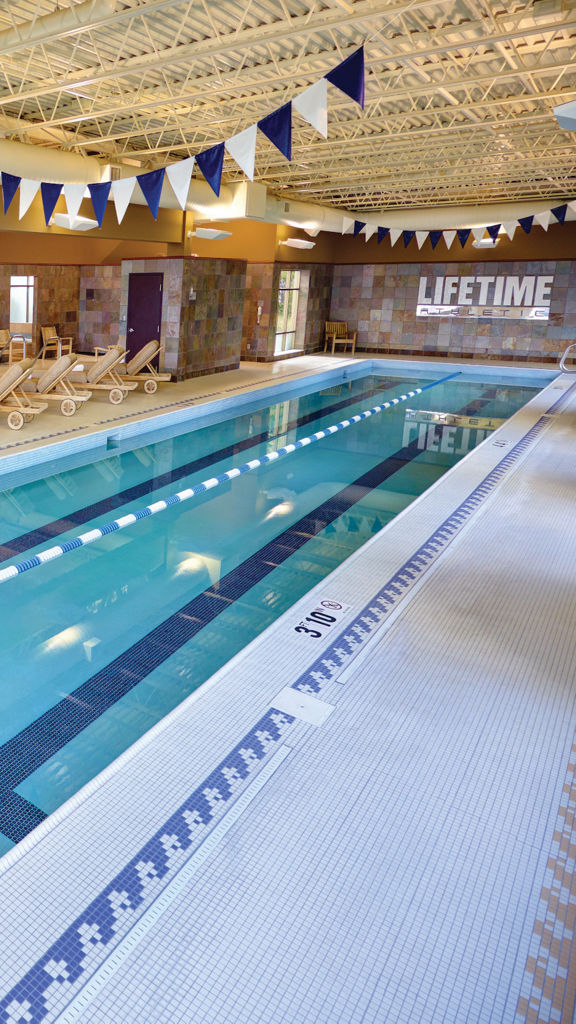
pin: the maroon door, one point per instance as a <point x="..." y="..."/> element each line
<point x="144" y="311"/>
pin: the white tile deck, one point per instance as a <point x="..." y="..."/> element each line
<point x="407" y="857"/>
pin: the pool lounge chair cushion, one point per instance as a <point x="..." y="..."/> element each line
<point x="15" y="373"/>
<point x="50" y="376"/>
<point x="142" y="357"/>
<point x="100" y="367"/>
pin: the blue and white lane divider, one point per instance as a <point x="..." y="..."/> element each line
<point x="192" y="492"/>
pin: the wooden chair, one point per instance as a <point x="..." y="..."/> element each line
<point x="14" y="345"/>
<point x="53" y="346"/>
<point x="337" y="333"/>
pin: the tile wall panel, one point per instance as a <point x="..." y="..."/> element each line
<point x="379" y="301"/>
<point x="211" y="316"/>
<point x="99" y="307"/>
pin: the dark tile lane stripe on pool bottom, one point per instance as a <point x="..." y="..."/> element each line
<point x="46" y="533"/>
<point x="38" y="742"/>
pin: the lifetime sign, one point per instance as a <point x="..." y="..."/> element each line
<point x="515" y="298"/>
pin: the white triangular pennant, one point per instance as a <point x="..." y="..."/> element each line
<point x="571" y="204"/>
<point x="395" y="235"/>
<point x="179" y="177"/>
<point x="369" y="230"/>
<point x="28" y="189"/>
<point x="478" y="234"/>
<point x="543" y="219"/>
<point x="242" y="149"/>
<point x="74" y="195"/>
<point x="449" y="237"/>
<point x="347" y="225"/>
<point x="510" y="227"/>
<point x="421" y="237"/>
<point x="312" y="104"/>
<point x="122" y="190"/>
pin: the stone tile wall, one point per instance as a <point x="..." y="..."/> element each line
<point x="259" y="289"/>
<point x="55" y="296"/>
<point x="380" y="302"/>
<point x="318" y="305"/>
<point x="212" y="313"/>
<point x="99" y="307"/>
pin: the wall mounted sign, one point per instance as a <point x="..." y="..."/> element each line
<point x="514" y="298"/>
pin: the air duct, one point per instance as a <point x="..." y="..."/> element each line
<point x="43" y="164"/>
<point x="51" y="26"/>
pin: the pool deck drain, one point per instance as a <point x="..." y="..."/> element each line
<point x="410" y="858"/>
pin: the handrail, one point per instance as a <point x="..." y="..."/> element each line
<point x="191" y="492"/>
<point x="563" y="366"/>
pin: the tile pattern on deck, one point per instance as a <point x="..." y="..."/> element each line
<point x="305" y="913"/>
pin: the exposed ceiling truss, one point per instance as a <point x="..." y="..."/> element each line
<point x="459" y="93"/>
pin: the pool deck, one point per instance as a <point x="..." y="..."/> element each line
<point x="376" y="825"/>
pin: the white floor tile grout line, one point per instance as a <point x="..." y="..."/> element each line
<point x="166" y="897"/>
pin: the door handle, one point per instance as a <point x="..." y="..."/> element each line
<point x="130" y="330"/>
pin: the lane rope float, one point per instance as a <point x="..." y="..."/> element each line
<point x="17" y="568"/>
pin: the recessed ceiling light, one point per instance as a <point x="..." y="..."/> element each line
<point x="485" y="243"/>
<point x="63" y="220"/>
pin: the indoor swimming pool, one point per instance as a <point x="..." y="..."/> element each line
<point x="101" y="643"/>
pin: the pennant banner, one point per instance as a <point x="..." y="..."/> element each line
<point x="369" y="230"/>
<point x="394" y="235"/>
<point x="382" y="232"/>
<point x="99" y="194"/>
<point x="349" y="76"/>
<point x="408" y="236"/>
<point x="358" y="225"/>
<point x="151" y="185"/>
<point x="463" y="235"/>
<point x="122" y="190"/>
<point x="210" y="163"/>
<point x="242" y="149"/>
<point x="73" y="195"/>
<point x="526" y="223"/>
<point x="312" y="105"/>
<point x="278" y="128"/>
<point x="560" y="212"/>
<point x="179" y="176"/>
<point x="50" y="196"/>
<point x="28" y="192"/>
<point x="10" y="183"/>
<point x="421" y="237"/>
<point x="435" y="237"/>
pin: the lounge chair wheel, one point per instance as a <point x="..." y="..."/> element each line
<point x="116" y="396"/>
<point x="67" y="407"/>
<point x="150" y="386"/>
<point x="28" y="417"/>
<point x="15" y="420"/>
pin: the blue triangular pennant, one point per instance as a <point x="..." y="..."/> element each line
<point x="10" y="184"/>
<point x="349" y="76"/>
<point x="358" y="225"/>
<point x="151" y="185"/>
<point x="560" y="212"/>
<point x="493" y="230"/>
<point x="382" y="232"/>
<point x="99" y="193"/>
<point x="526" y="223"/>
<point x="50" y="196"/>
<point x="407" y="236"/>
<point x="277" y="127"/>
<point x="464" y="235"/>
<point x="210" y="163"/>
<point x="435" y="237"/>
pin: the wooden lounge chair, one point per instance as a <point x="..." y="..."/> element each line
<point x="14" y="345"/>
<point x="55" y="385"/>
<point x="53" y="346"/>
<point x="337" y="334"/>
<point x="141" y="369"/>
<point x="103" y="375"/>
<point x="14" y="400"/>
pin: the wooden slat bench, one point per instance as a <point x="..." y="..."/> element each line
<point x="337" y="334"/>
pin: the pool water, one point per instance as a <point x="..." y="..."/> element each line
<point x="100" y="644"/>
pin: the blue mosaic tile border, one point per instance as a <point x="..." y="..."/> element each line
<point x="76" y="953"/>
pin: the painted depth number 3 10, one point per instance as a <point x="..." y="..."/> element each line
<point x="321" y="619"/>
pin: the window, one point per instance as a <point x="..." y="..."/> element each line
<point x="21" y="304"/>
<point x="288" y="291"/>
